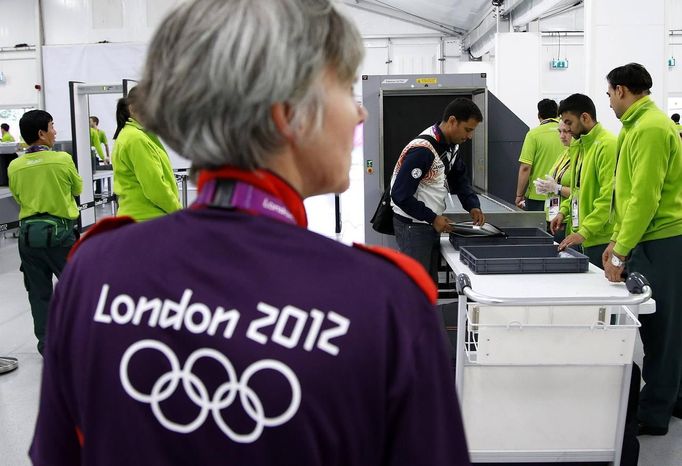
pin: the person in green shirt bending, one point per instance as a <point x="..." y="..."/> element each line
<point x="647" y="236"/>
<point x="593" y="165"/>
<point x="101" y="139"/>
<point x="541" y="148"/>
<point x="143" y="177"/>
<point x="44" y="183"/>
<point x="6" y="136"/>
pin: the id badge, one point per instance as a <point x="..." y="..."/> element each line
<point x="552" y="205"/>
<point x="574" y="212"/>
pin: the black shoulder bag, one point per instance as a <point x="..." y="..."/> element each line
<point x="382" y="220"/>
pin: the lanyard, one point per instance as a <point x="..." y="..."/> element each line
<point x="232" y="194"/>
<point x="37" y="148"/>
<point x="579" y="167"/>
<point x="562" y="167"/>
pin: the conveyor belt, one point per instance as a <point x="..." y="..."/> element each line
<point x="498" y="213"/>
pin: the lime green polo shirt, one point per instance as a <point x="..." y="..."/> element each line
<point x="45" y="182"/>
<point x="648" y="190"/>
<point x="7" y="137"/>
<point x="143" y="177"/>
<point x="541" y="149"/>
<point x="95" y="142"/>
<point x="102" y="136"/>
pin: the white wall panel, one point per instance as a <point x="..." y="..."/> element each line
<point x="517" y="73"/>
<point x="557" y="84"/>
<point x="93" y="64"/>
<point x="619" y="32"/>
<point x="18" y="22"/>
<point x="409" y="57"/>
<point x="107" y="14"/>
<point x="100" y="20"/>
<point x="21" y="76"/>
<point x="376" y="56"/>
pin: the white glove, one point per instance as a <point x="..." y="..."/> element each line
<point x="546" y="186"/>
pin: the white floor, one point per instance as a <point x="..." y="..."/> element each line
<point x="19" y="390"/>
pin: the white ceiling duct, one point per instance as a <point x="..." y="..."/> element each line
<point x="480" y="39"/>
<point x="530" y="10"/>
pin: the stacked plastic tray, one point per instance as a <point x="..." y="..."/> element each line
<point x="520" y="250"/>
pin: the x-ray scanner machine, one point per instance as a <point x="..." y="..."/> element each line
<point x="401" y="106"/>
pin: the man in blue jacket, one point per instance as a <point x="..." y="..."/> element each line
<point x="427" y="169"/>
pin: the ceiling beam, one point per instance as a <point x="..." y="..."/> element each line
<point x="396" y="13"/>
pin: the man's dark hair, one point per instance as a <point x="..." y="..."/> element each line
<point x="577" y="104"/>
<point x="32" y="122"/>
<point x="95" y="119"/>
<point x="633" y="76"/>
<point x="5" y="126"/>
<point x="547" y="108"/>
<point x="675" y="117"/>
<point x="462" y="109"/>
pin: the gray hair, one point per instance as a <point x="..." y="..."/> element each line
<point x="215" y="68"/>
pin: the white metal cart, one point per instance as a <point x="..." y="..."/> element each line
<point x="544" y="363"/>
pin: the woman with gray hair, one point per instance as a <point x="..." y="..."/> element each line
<point x="228" y="333"/>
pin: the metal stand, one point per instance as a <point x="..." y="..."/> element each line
<point x="531" y="370"/>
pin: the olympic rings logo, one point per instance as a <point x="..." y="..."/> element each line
<point x="223" y="396"/>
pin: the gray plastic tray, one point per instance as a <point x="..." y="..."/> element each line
<point x="514" y="236"/>
<point x="522" y="259"/>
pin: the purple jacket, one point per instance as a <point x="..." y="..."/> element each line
<point x="218" y="337"/>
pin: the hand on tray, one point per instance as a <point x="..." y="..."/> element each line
<point x="477" y="216"/>
<point x="571" y="240"/>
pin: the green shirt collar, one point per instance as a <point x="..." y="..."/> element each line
<point x="586" y="140"/>
<point x="633" y="113"/>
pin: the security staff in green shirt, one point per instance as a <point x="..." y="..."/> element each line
<point x="541" y="148"/>
<point x="94" y="143"/>
<point x="44" y="183"/>
<point x="6" y="136"/>
<point x="101" y="139"/>
<point x="143" y="177"/>
<point x="647" y="236"/>
<point x="593" y="165"/>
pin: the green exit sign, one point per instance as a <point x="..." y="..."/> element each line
<point x="558" y="64"/>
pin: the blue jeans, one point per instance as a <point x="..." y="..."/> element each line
<point x="421" y="242"/>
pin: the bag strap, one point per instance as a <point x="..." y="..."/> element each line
<point x="432" y="142"/>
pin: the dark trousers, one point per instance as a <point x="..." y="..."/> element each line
<point x="38" y="265"/>
<point x="535" y="206"/>
<point x="594" y="253"/>
<point x="421" y="242"/>
<point x="630" y="452"/>
<point x="659" y="261"/>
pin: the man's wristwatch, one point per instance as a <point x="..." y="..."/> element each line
<point x="615" y="261"/>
